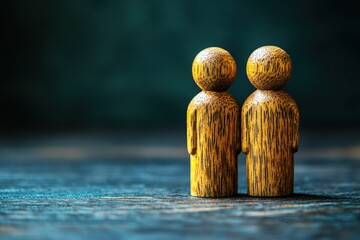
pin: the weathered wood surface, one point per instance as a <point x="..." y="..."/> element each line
<point x="95" y="197"/>
<point x="213" y="126"/>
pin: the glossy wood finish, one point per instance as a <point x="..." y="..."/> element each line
<point x="214" y="69"/>
<point x="270" y="125"/>
<point x="213" y="126"/>
<point x="269" y="68"/>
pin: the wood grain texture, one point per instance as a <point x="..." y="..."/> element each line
<point x="270" y="126"/>
<point x="269" y="67"/>
<point x="213" y="127"/>
<point x="214" y="69"/>
<point x="102" y="198"/>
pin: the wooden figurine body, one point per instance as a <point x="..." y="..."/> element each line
<point x="213" y="126"/>
<point x="270" y="125"/>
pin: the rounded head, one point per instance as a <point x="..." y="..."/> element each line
<point x="269" y="68"/>
<point x="214" y="69"/>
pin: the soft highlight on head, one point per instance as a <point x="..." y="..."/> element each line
<point x="269" y="68"/>
<point x="214" y="69"/>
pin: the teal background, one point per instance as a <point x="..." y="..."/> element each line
<point x="105" y="65"/>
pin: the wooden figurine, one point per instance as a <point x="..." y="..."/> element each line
<point x="213" y="126"/>
<point x="270" y="124"/>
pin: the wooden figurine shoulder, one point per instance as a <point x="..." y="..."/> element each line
<point x="204" y="98"/>
<point x="269" y="97"/>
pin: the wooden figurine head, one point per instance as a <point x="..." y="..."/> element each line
<point x="214" y="69"/>
<point x="269" y="68"/>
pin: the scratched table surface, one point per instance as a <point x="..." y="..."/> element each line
<point x="91" y="187"/>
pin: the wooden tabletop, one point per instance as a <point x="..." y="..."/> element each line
<point x="96" y="191"/>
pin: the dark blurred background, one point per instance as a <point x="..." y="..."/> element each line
<point x="104" y="65"/>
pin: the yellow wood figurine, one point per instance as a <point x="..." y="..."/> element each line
<point x="213" y="126"/>
<point x="270" y="124"/>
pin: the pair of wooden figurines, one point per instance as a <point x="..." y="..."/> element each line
<point x="266" y="130"/>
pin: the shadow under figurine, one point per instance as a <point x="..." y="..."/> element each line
<point x="213" y="126"/>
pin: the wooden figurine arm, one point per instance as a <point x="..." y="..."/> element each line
<point x="191" y="131"/>
<point x="295" y="130"/>
<point x="245" y="142"/>
<point x="238" y="133"/>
